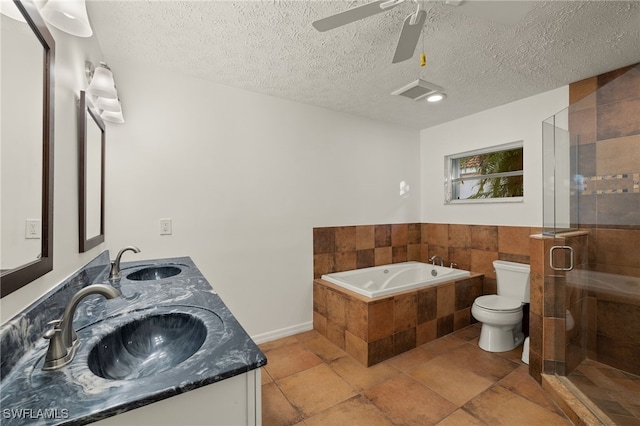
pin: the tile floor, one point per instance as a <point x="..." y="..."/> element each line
<point x="449" y="381"/>
<point x="615" y="392"/>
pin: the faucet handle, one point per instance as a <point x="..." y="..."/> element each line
<point x="55" y="323"/>
<point x="51" y="333"/>
<point x="453" y="265"/>
<point x="57" y="350"/>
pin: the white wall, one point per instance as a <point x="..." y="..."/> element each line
<point x="245" y="177"/>
<point x="71" y="53"/>
<point x="519" y="120"/>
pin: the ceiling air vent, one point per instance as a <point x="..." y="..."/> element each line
<point x="417" y="90"/>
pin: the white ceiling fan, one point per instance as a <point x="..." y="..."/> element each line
<point x="409" y="35"/>
<point x="503" y="12"/>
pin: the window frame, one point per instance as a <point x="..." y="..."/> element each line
<point x="451" y="174"/>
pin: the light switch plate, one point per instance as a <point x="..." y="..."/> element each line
<point x="33" y="229"/>
<point x="165" y="226"/>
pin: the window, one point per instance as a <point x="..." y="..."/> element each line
<point x="493" y="174"/>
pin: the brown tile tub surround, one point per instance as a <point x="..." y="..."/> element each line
<point x="343" y="248"/>
<point x="374" y="330"/>
<point x="471" y="247"/>
<point x="398" y="325"/>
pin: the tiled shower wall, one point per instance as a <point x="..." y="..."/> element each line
<point x="607" y="126"/>
<point x="604" y="119"/>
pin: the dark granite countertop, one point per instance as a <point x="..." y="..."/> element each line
<point x="74" y="394"/>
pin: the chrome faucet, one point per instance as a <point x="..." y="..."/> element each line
<point x="432" y="259"/>
<point x="115" y="264"/>
<point x="63" y="341"/>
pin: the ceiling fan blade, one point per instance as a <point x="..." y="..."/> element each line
<point x="409" y="37"/>
<point x="352" y="15"/>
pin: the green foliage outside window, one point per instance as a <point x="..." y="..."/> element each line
<point x="497" y="174"/>
<point x="495" y="163"/>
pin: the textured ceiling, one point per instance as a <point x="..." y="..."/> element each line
<point x="270" y="47"/>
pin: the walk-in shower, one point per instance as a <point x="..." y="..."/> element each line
<point x="591" y="207"/>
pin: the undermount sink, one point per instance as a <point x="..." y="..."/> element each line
<point x="154" y="273"/>
<point x="147" y="346"/>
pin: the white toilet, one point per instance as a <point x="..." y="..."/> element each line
<point x="501" y="314"/>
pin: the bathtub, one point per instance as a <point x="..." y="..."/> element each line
<point x="390" y="279"/>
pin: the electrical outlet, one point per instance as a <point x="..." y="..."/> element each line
<point x="33" y="229"/>
<point x="165" y="226"/>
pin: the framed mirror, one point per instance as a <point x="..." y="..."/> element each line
<point x="91" y="174"/>
<point x="28" y="51"/>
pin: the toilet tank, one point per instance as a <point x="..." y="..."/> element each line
<point x="513" y="279"/>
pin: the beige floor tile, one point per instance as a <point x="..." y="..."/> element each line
<point x="485" y="364"/>
<point x="353" y="412"/>
<point x="629" y="385"/>
<point x="322" y="347"/>
<point x="315" y="389"/>
<point x="311" y="334"/>
<point x="359" y="376"/>
<point x="286" y="360"/>
<point x="499" y="406"/>
<point x="468" y="333"/>
<point x="632" y="408"/>
<point x="410" y="359"/>
<point x="613" y="408"/>
<point x="520" y="382"/>
<point x="461" y="418"/>
<point x="624" y="420"/>
<point x="276" y="410"/>
<point x="514" y="355"/>
<point x="442" y="345"/>
<point x="266" y="378"/>
<point x="268" y="346"/>
<point x="596" y="375"/>
<point x="407" y="402"/>
<point x="449" y="380"/>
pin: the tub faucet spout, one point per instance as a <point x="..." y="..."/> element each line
<point x="115" y="264"/>
<point x="63" y="341"/>
<point x="433" y="259"/>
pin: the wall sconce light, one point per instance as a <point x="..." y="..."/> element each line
<point x="102" y="88"/>
<point x="111" y="105"/>
<point x="101" y="81"/>
<point x="69" y="16"/>
<point x="114" y="117"/>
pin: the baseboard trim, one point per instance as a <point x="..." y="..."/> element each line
<point x="283" y="332"/>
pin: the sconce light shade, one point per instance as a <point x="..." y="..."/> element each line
<point x="69" y="16"/>
<point x="111" y="105"/>
<point x="102" y="84"/>
<point x="114" y="117"/>
<point x="9" y="8"/>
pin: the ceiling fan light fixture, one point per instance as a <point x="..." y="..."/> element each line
<point x="417" y="90"/>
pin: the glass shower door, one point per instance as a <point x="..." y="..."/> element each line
<point x="591" y="216"/>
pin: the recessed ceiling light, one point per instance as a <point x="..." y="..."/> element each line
<point x="436" y="97"/>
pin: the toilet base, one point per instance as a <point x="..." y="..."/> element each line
<point x="499" y="338"/>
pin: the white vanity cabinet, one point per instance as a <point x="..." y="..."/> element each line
<point x="233" y="401"/>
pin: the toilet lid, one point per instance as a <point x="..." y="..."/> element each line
<point x="498" y="303"/>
